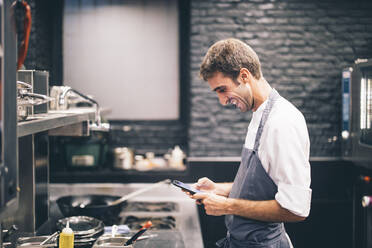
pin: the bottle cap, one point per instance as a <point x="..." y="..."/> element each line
<point x="67" y="229"/>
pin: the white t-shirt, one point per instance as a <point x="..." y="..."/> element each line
<point x="284" y="153"/>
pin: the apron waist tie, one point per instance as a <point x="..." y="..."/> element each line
<point x="224" y="242"/>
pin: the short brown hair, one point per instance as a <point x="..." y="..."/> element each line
<point x="229" y="56"/>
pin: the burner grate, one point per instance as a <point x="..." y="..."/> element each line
<point x="158" y="223"/>
<point x="151" y="207"/>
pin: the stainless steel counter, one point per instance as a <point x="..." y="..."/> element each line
<point x="187" y="219"/>
<point x="54" y="119"/>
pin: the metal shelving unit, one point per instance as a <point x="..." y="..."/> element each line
<point x="54" y="119"/>
<point x="9" y="166"/>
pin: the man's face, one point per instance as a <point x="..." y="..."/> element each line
<point x="230" y="92"/>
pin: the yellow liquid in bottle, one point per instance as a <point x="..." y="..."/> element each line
<point x="66" y="240"/>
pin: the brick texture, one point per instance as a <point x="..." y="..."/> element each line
<point x="303" y="47"/>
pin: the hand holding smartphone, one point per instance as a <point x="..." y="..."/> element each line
<point x="185" y="187"/>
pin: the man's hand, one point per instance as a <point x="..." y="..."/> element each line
<point x="213" y="204"/>
<point x="206" y="185"/>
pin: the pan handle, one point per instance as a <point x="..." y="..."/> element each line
<point x="140" y="191"/>
<point x="26" y="36"/>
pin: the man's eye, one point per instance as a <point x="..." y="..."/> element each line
<point x="221" y="91"/>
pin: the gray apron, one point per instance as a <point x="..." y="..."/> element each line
<point x="253" y="183"/>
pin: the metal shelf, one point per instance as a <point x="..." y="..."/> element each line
<point x="54" y="119"/>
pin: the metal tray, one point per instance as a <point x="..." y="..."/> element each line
<point x="111" y="242"/>
<point x="28" y="242"/>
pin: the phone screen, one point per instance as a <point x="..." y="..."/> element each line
<point x="185" y="187"/>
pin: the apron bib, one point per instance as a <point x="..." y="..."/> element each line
<point x="253" y="183"/>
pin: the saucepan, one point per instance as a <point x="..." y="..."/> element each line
<point x="99" y="206"/>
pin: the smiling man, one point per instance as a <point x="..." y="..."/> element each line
<point x="272" y="185"/>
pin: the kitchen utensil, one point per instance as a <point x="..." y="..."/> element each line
<point x="89" y="205"/>
<point x="54" y="235"/>
<point x="98" y="206"/>
<point x="142" y="237"/>
<point x="140" y="191"/>
<point x="146" y="226"/>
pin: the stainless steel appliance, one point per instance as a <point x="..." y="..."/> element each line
<point x="174" y="217"/>
<point x="39" y="81"/>
<point x="357" y="113"/>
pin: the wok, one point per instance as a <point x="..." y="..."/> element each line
<point x="98" y="206"/>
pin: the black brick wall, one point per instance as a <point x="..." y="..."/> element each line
<point x="45" y="44"/>
<point x="303" y="47"/>
<point x="145" y="136"/>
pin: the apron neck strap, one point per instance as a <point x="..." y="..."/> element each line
<point x="274" y="95"/>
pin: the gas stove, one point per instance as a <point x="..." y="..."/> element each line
<point x="138" y="206"/>
<point x="158" y="223"/>
<point x="136" y="213"/>
<point x="174" y="215"/>
<point x="160" y="220"/>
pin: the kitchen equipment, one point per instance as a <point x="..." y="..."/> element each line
<point x="89" y="205"/>
<point x="50" y="238"/>
<point x="83" y="226"/>
<point x="26" y="100"/>
<point x="123" y="158"/>
<point x="61" y="96"/>
<point x="85" y="152"/>
<point x="32" y="242"/>
<point x="140" y="191"/>
<point x="66" y="238"/>
<point x="9" y="201"/>
<point x="158" y="223"/>
<point x="99" y="206"/>
<point x="86" y="229"/>
<point x="39" y="81"/>
<point x="110" y="242"/>
<point x="144" y="228"/>
<point x="356" y="126"/>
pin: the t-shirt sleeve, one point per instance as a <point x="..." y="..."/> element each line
<point x="288" y="156"/>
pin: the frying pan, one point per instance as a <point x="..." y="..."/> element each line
<point x="98" y="206"/>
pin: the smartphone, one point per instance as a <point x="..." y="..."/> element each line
<point x="185" y="187"/>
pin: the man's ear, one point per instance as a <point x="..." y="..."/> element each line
<point x="245" y="75"/>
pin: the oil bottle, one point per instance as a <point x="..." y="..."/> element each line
<point x="66" y="238"/>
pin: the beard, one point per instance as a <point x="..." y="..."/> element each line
<point x="244" y="93"/>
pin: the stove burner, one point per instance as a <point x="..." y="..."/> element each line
<point x="167" y="222"/>
<point x="151" y="207"/>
